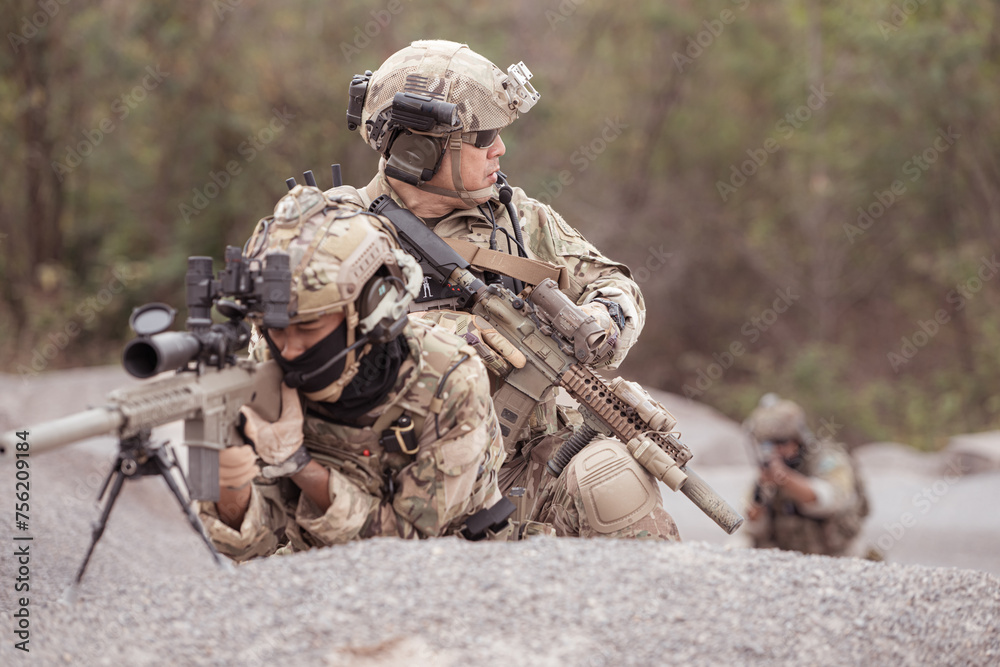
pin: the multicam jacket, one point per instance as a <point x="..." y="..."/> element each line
<point x="444" y="388"/>
<point x="548" y="237"/>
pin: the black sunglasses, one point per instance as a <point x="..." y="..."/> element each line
<point x="482" y="138"/>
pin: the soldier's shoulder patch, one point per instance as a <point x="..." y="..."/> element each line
<point x="828" y="462"/>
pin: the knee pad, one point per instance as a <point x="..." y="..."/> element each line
<point x="615" y="490"/>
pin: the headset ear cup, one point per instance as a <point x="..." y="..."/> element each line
<point x="377" y="309"/>
<point x="414" y="157"/>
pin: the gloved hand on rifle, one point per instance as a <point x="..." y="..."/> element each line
<point x="601" y="312"/>
<point x="237" y="467"/>
<point x="278" y="444"/>
<point x="496" y="351"/>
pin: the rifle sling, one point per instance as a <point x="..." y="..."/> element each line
<point x="530" y="271"/>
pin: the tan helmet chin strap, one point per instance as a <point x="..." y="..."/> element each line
<point x="455" y="145"/>
<point x="455" y="194"/>
<point x="467" y="196"/>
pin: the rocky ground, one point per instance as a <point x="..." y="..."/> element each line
<point x="152" y="594"/>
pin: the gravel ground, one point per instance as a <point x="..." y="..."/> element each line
<point x="543" y="602"/>
<point x="152" y="594"/>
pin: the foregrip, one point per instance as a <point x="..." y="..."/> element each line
<point x="708" y="501"/>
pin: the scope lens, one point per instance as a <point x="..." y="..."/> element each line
<point x="140" y="360"/>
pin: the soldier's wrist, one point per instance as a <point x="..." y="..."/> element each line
<point x="290" y="466"/>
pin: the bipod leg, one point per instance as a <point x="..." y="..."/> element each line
<point x="164" y="465"/>
<point x="118" y="478"/>
<point x="107" y="480"/>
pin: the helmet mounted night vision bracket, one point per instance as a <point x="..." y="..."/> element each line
<point x="521" y="95"/>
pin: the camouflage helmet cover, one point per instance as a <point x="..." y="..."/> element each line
<point x="779" y="420"/>
<point x="486" y="97"/>
<point x="334" y="249"/>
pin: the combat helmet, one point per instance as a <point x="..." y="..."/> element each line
<point x="427" y="99"/>
<point x="776" y="419"/>
<point x="341" y="259"/>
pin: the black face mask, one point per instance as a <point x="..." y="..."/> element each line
<point x="306" y="371"/>
<point x="376" y="377"/>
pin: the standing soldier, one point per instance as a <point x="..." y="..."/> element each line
<point x="386" y="425"/>
<point x="435" y="111"/>
<point x="808" y="496"/>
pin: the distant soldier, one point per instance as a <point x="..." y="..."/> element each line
<point x="435" y="110"/>
<point x="387" y="428"/>
<point x="808" y="496"/>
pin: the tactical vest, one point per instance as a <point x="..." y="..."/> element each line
<point x="358" y="453"/>
<point x="435" y="296"/>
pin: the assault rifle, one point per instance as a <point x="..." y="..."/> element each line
<point x="207" y="391"/>
<point x="763" y="453"/>
<point x="559" y="342"/>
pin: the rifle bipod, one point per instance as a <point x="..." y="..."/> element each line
<point x="138" y="457"/>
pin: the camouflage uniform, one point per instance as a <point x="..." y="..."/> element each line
<point x="441" y="385"/>
<point x="374" y="493"/>
<point x="829" y="524"/>
<point x="548" y="238"/>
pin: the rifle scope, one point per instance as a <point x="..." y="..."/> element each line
<point x="147" y="356"/>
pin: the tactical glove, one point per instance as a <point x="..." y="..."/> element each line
<point x="237" y="467"/>
<point x="496" y="351"/>
<point x="279" y="444"/>
<point x="611" y="330"/>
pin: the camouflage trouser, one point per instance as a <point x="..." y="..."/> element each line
<point x="803" y="534"/>
<point x="554" y="506"/>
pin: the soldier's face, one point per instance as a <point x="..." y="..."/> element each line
<point x="479" y="167"/>
<point x="295" y="339"/>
